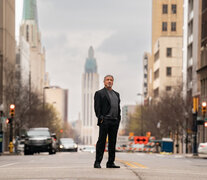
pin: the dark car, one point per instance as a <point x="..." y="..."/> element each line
<point x="67" y="144"/>
<point x="39" y="140"/>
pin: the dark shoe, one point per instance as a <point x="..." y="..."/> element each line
<point x="112" y="166"/>
<point x="97" y="165"/>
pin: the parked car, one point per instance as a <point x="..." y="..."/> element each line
<point x="39" y="140"/>
<point x="20" y="146"/>
<point x="90" y="149"/>
<point x="67" y="144"/>
<point x="202" y="148"/>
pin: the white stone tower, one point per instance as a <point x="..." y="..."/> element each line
<point x="90" y="84"/>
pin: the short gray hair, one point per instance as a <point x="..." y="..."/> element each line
<point x="108" y="76"/>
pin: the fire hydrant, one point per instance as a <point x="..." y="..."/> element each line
<point x="11" y="146"/>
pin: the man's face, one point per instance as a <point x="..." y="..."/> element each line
<point x="108" y="82"/>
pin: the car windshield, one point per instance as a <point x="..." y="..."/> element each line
<point x="38" y="133"/>
<point x="67" y="140"/>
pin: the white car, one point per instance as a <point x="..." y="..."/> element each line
<point x="202" y="148"/>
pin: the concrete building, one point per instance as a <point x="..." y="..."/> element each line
<point x="127" y="112"/>
<point x="57" y="97"/>
<point x="90" y="84"/>
<point x="145" y="76"/>
<point x="202" y="68"/>
<point x="30" y="31"/>
<point x="191" y="50"/>
<point x="202" y="64"/>
<point x="7" y="42"/>
<point x="165" y="68"/>
<point x="23" y="63"/>
<point x="7" y="63"/>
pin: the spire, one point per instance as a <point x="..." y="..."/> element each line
<point x="30" y="10"/>
<point x="91" y="52"/>
<point x="90" y="65"/>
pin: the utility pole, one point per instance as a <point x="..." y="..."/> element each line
<point x="12" y="112"/>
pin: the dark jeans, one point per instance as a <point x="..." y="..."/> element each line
<point x="107" y="127"/>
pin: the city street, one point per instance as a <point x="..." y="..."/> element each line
<point x="79" y="166"/>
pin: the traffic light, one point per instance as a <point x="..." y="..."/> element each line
<point x="203" y="108"/>
<point x="12" y="110"/>
<point x="205" y="124"/>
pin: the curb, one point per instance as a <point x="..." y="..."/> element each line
<point x="8" y="154"/>
<point x="200" y="156"/>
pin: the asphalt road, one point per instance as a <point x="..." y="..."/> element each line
<point x="79" y="166"/>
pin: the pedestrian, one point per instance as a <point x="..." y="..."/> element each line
<point x="107" y="109"/>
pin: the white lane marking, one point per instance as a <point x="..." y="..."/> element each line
<point x="5" y="165"/>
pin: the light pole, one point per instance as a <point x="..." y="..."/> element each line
<point x="142" y="133"/>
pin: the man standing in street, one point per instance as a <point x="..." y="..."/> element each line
<point x="107" y="109"/>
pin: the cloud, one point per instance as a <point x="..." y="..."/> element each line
<point x="119" y="31"/>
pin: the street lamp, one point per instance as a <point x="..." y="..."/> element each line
<point x="142" y="133"/>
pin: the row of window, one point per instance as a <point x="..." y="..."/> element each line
<point x="156" y="91"/>
<point x="168" y="54"/>
<point x="168" y="72"/>
<point x="164" y="26"/>
<point x="204" y="88"/>
<point x="165" y="9"/>
<point x="87" y="139"/>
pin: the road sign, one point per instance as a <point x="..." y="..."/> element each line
<point x="141" y="139"/>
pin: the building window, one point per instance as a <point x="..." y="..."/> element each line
<point x="190" y="27"/>
<point x="168" y="71"/>
<point x="174" y="8"/>
<point x="27" y="33"/>
<point x="157" y="55"/>
<point x="156" y="74"/>
<point x="168" y="88"/>
<point x="164" y="26"/>
<point x="156" y="92"/>
<point x="164" y="9"/>
<point x="173" y="26"/>
<point x="169" y="52"/>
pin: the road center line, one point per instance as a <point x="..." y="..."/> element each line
<point x="132" y="164"/>
<point x="140" y="165"/>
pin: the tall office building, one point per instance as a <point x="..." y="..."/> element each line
<point x="23" y="63"/>
<point x="30" y="31"/>
<point x="58" y="98"/>
<point x="146" y="61"/>
<point x="202" y="64"/>
<point x="7" y="43"/>
<point x="7" y="62"/>
<point x="202" y="68"/>
<point x="90" y="84"/>
<point x="165" y="68"/>
<point x="191" y="52"/>
<point x="127" y="112"/>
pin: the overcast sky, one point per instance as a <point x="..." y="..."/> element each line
<point x="118" y="30"/>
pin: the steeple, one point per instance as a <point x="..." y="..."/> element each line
<point x="91" y="52"/>
<point x="30" y="10"/>
<point x="90" y="65"/>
